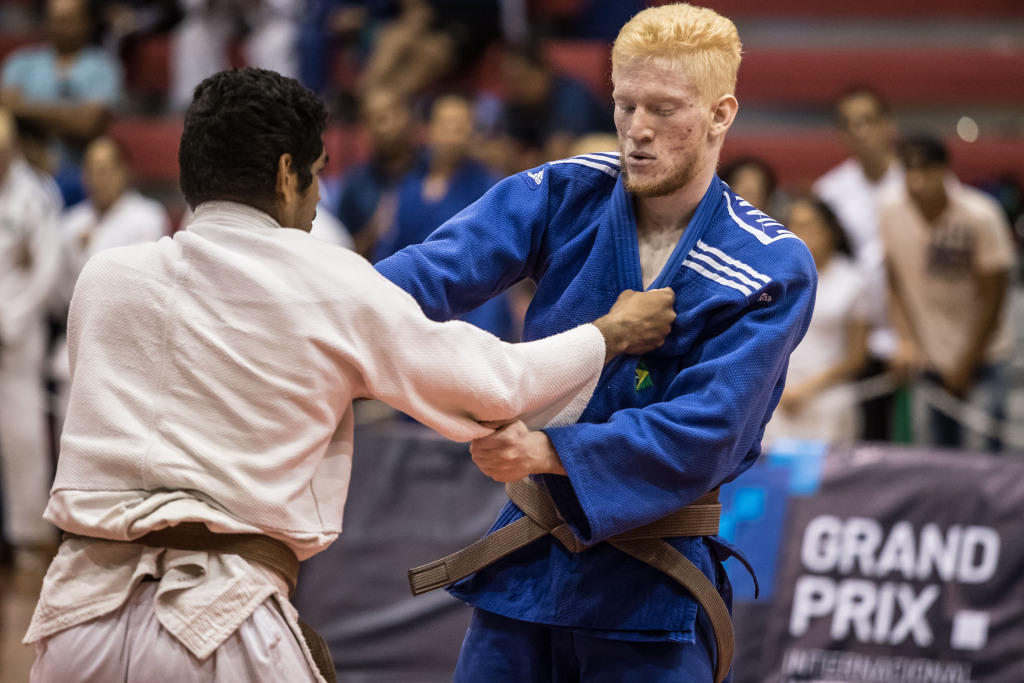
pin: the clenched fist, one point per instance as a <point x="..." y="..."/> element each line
<point x="638" y="322"/>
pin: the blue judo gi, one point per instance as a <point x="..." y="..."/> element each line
<point x="660" y="430"/>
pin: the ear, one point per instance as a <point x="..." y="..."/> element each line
<point x="723" y="114"/>
<point x="287" y="180"/>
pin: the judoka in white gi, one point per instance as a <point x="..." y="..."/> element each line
<point x="29" y="266"/>
<point x="213" y="375"/>
<point x="114" y="215"/>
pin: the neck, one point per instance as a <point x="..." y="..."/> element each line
<point x="821" y="261"/>
<point x="876" y="167"/>
<point x="397" y="161"/>
<point x="672" y="211"/>
<point x="443" y="165"/>
<point x="932" y="208"/>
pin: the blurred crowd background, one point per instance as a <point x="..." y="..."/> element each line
<point x="889" y="136"/>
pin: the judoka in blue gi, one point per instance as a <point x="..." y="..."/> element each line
<point x="663" y="429"/>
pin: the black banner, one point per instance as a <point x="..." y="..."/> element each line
<point x="905" y="567"/>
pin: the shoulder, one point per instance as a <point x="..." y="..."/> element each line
<point x="599" y="170"/>
<point x="79" y="217"/>
<point x="27" y="56"/>
<point x="751" y="247"/>
<point x="842" y="269"/>
<point x="837" y="179"/>
<point x="142" y="204"/>
<point x="97" y="59"/>
<point x="978" y="203"/>
<point x="35" y="187"/>
<point x="107" y="264"/>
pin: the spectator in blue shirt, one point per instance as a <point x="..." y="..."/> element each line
<point x="67" y="86"/>
<point x="543" y="112"/>
<point x="431" y="193"/>
<point x="363" y="200"/>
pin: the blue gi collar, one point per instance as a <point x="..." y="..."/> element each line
<point x="627" y="247"/>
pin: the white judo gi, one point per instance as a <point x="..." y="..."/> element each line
<point x="213" y="376"/>
<point x="29" y="266"/>
<point x="131" y="219"/>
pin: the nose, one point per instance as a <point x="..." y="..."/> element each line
<point x="639" y="128"/>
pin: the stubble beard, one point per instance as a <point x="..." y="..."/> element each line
<point x="679" y="176"/>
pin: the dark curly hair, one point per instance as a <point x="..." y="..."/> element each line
<point x="239" y="124"/>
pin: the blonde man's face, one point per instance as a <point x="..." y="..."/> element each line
<point x="663" y="125"/>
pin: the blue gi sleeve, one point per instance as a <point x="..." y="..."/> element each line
<point x="477" y="254"/>
<point x="644" y="463"/>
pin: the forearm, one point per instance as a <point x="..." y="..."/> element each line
<point x="993" y="295"/>
<point x="81" y="122"/>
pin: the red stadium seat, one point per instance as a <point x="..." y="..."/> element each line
<point x="906" y="76"/>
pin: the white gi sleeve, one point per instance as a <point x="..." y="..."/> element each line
<point x="452" y="375"/>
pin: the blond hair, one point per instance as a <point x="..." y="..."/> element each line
<point x="695" y="40"/>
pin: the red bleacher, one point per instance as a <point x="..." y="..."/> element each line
<point x="800" y="157"/>
<point x="907" y="76"/>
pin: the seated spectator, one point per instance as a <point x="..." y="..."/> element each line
<point x="433" y="39"/>
<point x="113" y="215"/>
<point x="818" y="401"/>
<point x="949" y="254"/>
<point x="448" y="182"/>
<point x="542" y="112"/>
<point x="363" y="206"/>
<point x="29" y="266"/>
<point x="754" y="179"/>
<point x="201" y="41"/>
<point x="67" y="87"/>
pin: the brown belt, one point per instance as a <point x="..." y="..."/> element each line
<point x="644" y="543"/>
<point x="263" y="550"/>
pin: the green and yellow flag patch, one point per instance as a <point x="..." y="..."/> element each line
<point x="643" y="376"/>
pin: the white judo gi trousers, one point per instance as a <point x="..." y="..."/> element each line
<point x="25" y="440"/>
<point x="131" y="645"/>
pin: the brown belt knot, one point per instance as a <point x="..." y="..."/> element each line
<point x="645" y="543"/>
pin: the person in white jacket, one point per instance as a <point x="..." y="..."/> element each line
<point x="29" y="265"/>
<point x="212" y="380"/>
<point x="115" y="214"/>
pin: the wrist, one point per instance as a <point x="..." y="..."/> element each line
<point x="614" y="336"/>
<point x="548" y="460"/>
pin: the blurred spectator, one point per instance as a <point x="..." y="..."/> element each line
<point x="387" y="117"/>
<point x="330" y="26"/>
<point x="852" y="189"/>
<point x="431" y="194"/>
<point x="542" y="112"/>
<point x="431" y="39"/>
<point x="949" y="255"/>
<point x="66" y="87"/>
<point x="29" y="266"/>
<point x="754" y="179"/>
<point x="124" y="22"/>
<point x="113" y="215"/>
<point x="202" y="40"/>
<point x="819" y="400"/>
<point x="582" y="19"/>
<point x="595" y="142"/>
<point x="327" y="228"/>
